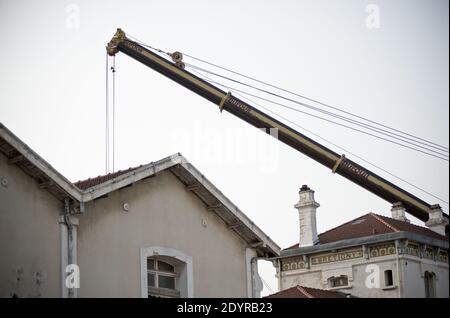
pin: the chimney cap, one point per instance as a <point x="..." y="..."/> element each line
<point x="304" y="188"/>
<point x="397" y="205"/>
<point x="435" y="206"/>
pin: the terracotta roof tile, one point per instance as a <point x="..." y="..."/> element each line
<point x="91" y="182"/>
<point x="408" y="227"/>
<point x="372" y="224"/>
<point x="365" y="225"/>
<point x="307" y="292"/>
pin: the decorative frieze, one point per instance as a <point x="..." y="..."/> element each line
<point x="291" y="264"/>
<point x="442" y="257"/>
<point x="412" y="249"/>
<point x="428" y="253"/>
<point x="295" y="263"/>
<point x="337" y="257"/>
<point x="382" y="250"/>
<point x="374" y="251"/>
<point x="425" y="252"/>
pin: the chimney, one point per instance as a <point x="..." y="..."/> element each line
<point x="399" y="212"/>
<point x="307" y="207"/>
<point x="436" y="221"/>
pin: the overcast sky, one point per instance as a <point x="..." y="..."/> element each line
<point x="52" y="94"/>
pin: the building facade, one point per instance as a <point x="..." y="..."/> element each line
<point x="158" y="230"/>
<point x="371" y="256"/>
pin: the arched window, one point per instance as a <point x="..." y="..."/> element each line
<point x="166" y="272"/>
<point x="339" y="281"/>
<point x="430" y="288"/>
<point x="162" y="278"/>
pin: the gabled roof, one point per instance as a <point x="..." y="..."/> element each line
<point x="372" y="224"/>
<point x="195" y="182"/>
<point x="307" y="292"/>
<point x="20" y="154"/>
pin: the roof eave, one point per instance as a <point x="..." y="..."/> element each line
<point x="374" y="239"/>
<point x="45" y="171"/>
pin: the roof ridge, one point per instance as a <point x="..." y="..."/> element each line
<point x="379" y="219"/>
<point x="109" y="174"/>
<point x="282" y="291"/>
<point x="304" y="292"/>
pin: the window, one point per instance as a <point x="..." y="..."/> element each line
<point x="388" y="278"/>
<point x="180" y="266"/>
<point x="161" y="278"/>
<point x="430" y="289"/>
<point x="340" y="281"/>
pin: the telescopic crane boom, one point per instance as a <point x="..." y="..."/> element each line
<point x="337" y="163"/>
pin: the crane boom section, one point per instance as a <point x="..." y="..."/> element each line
<point x="337" y="163"/>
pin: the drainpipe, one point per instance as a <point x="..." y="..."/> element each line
<point x="399" y="272"/>
<point x="257" y="285"/>
<point x="64" y="254"/>
<point x="68" y="237"/>
<point x="254" y="284"/>
<point x="279" y="273"/>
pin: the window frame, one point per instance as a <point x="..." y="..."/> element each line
<point x="430" y="284"/>
<point x="184" y="264"/>
<point x="391" y="278"/>
<point x="332" y="279"/>
<point x="156" y="288"/>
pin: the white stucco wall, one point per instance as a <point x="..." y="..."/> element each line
<point x="311" y="279"/>
<point x="29" y="236"/>
<point x="414" y="269"/>
<point x="162" y="213"/>
<point x="408" y="280"/>
<point x="317" y="277"/>
<point x="361" y="274"/>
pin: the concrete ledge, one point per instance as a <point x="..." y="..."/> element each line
<point x="364" y="241"/>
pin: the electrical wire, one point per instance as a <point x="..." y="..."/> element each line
<point x="266" y="285"/>
<point x="332" y="143"/>
<point x="328" y="120"/>
<point x="428" y="143"/>
<point x="355" y="122"/>
<point x="348" y="152"/>
<point x="315" y="101"/>
<point x="349" y="120"/>
<point x="352" y="121"/>
<point x="147" y="46"/>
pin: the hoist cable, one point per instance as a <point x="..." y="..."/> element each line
<point x="113" y="70"/>
<point x="107" y="117"/>
<point x="332" y="143"/>
<point x="328" y="120"/>
<point x="343" y="118"/>
<point x="349" y="152"/>
<point x="416" y="139"/>
<point x="316" y="101"/>
<point x="428" y="143"/>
